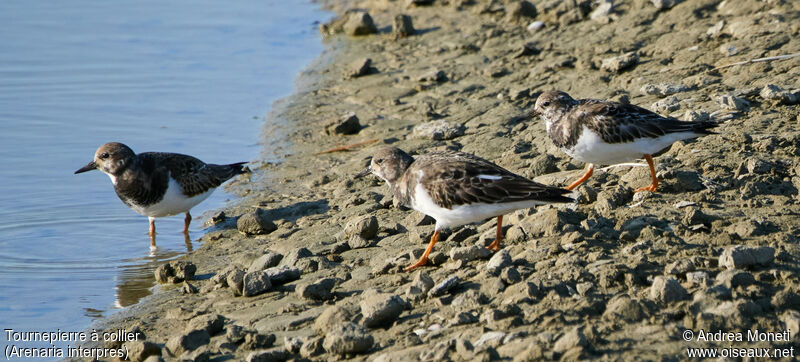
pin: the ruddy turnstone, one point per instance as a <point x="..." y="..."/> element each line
<point x="605" y="132"/>
<point x="457" y="188"/>
<point x="157" y="184"/>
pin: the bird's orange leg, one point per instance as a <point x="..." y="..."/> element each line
<point x="152" y="232"/>
<point x="495" y="245"/>
<point x="424" y="258"/>
<point x="654" y="185"/>
<point x="589" y="171"/>
<point x="186" y="223"/>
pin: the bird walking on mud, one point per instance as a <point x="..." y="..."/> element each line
<point x="157" y="184"/>
<point x="457" y="188"/>
<point x="605" y="132"/>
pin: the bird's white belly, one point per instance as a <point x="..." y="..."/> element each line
<point x="174" y="202"/>
<point x="592" y="149"/>
<point x="463" y="214"/>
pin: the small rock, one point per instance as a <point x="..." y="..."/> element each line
<point x="520" y="11"/>
<point x="402" y="26"/>
<point x="211" y="323"/>
<point x="330" y="317"/>
<point x="268" y="355"/>
<point x="282" y="274"/>
<point x="379" y="309"/>
<point x="664" y="4"/>
<point x="498" y="262"/>
<point x="663" y="89"/>
<point x="435" y="75"/>
<point x="602" y="12"/>
<point x="698" y="278"/>
<point x="319" y="290"/>
<point x="510" y="276"/>
<point x="188" y="341"/>
<point x="235" y="280"/>
<point x="345" y="125"/>
<point x="680" y="267"/>
<point x="420" y="286"/>
<point x="268" y="260"/>
<point x="255" y="223"/>
<point x="359" y="23"/>
<point x="444" y="286"/>
<point x="346" y="338"/>
<point x="667" y="290"/>
<point x="619" y="63"/>
<point x="728" y="50"/>
<point x="255" y="283"/>
<point x="292" y="344"/>
<point x="363" y="226"/>
<point x="731" y="102"/>
<point x="490" y="339"/>
<point x="439" y="130"/>
<point x="140" y="350"/>
<point x="694" y="216"/>
<point x="469" y="253"/>
<point x="778" y="95"/>
<point x="295" y="255"/>
<point x="741" y="256"/>
<point x="526" y="49"/>
<point x="535" y="26"/>
<point x="360" y="67"/>
<point x="715" y="30"/>
<point x="235" y="333"/>
<point x="735" y="278"/>
<point x="792" y="321"/>
<point x="255" y="340"/>
<point x="175" y="272"/>
<point x="312" y="347"/>
<point x="696" y="116"/>
<point x="584" y="288"/>
<point x="666" y="105"/>
<point x="571" y="339"/>
<point x="785" y="300"/>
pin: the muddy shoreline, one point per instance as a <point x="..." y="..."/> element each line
<point x="616" y="275"/>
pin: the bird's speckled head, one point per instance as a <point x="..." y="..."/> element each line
<point x="112" y="158"/>
<point x="551" y="103"/>
<point x="390" y="163"/>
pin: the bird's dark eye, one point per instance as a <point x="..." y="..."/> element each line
<point x="379" y="161"/>
<point x="104" y="155"/>
<point x="545" y="103"/>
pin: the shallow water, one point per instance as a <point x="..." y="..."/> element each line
<point x="190" y="77"/>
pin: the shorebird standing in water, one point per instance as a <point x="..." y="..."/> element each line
<point x="606" y="133"/>
<point x="157" y="184"/>
<point x="457" y="188"/>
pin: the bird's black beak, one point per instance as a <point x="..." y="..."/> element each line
<point x="90" y="166"/>
<point x="533" y="114"/>
<point x="361" y="174"/>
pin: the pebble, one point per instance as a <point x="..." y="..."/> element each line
<point x="294" y="256"/>
<point x="235" y="280"/>
<point x="187" y="341"/>
<point x="211" y="323"/>
<point x="346" y="338"/>
<point x="602" y="12"/>
<point x="435" y="75"/>
<point x="444" y="286"/>
<point x="666" y="105"/>
<point x="420" y="285"/>
<point x="667" y="290"/>
<point x="778" y="95"/>
<point x="282" y="274"/>
<point x="664" y="4"/>
<point x="268" y="260"/>
<point x="175" y="272"/>
<point x="438" y="130"/>
<point x="698" y="278"/>
<point x="380" y="309"/>
<point x="255" y="223"/>
<point x="625" y="308"/>
<point x="535" y="26"/>
<point x="345" y="125"/>
<point x="359" y="67"/>
<point x="255" y="283"/>
<point x="731" y="102"/>
<point x="490" y="339"/>
<point x="498" y="261"/>
<point x="520" y="11"/>
<point x="332" y="316"/>
<point x="319" y="290"/>
<point x="268" y="355"/>
<point x="363" y="226"/>
<point x="402" y="26"/>
<point x="663" y="89"/>
<point x="571" y="339"/>
<point x="312" y="347"/>
<point x="140" y="350"/>
<point x="742" y="256"/>
<point x="359" y="23"/>
<point x="735" y="278"/>
<point x="510" y="276"/>
<point x="469" y="253"/>
<point x="619" y="63"/>
<point x="728" y="50"/>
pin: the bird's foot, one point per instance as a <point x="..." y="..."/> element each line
<point x="651" y="188"/>
<point x="422" y="261"/>
<point x="494" y="246"/>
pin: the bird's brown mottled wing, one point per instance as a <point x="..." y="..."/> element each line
<point x="195" y="176"/>
<point x="619" y="123"/>
<point x="456" y="178"/>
